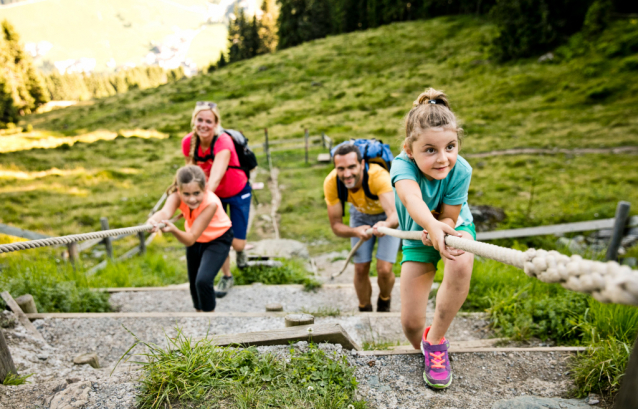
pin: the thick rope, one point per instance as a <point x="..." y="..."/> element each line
<point x="73" y="238"/>
<point x="607" y="282"/>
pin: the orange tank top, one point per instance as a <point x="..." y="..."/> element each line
<point x="219" y="224"/>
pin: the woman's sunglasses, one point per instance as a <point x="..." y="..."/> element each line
<point x="211" y="105"/>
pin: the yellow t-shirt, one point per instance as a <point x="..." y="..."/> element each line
<point x="378" y="181"/>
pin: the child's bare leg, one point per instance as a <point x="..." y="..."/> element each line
<point x="416" y="281"/>
<point x="452" y="293"/>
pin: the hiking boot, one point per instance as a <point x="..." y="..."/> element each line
<point x="367" y="308"/>
<point x="383" y="305"/>
<point x="223" y="286"/>
<point x="241" y="260"/>
<point x="437" y="373"/>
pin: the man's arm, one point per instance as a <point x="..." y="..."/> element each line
<point x="392" y="219"/>
<point x="335" y="215"/>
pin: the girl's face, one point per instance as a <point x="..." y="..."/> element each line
<point x="191" y="194"/>
<point x="435" y="152"/>
<point x="205" y="124"/>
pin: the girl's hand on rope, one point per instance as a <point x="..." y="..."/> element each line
<point x="377" y="225"/>
<point x="169" y="227"/>
<point x="154" y="224"/>
<point x="436" y="238"/>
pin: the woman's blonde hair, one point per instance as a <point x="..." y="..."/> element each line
<point x="185" y="175"/>
<point x="199" y="107"/>
<point x="430" y="110"/>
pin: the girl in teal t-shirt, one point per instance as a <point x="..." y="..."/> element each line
<point x="431" y="184"/>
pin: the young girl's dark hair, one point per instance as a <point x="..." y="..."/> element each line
<point x="186" y="175"/>
<point x="430" y="110"/>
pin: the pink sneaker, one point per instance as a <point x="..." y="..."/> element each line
<point x="437" y="373"/>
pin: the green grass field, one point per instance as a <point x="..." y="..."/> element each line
<point x="119" y="29"/>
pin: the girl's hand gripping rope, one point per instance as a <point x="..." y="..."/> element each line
<point x="436" y="238"/>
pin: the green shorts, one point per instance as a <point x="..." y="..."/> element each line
<point x="428" y="254"/>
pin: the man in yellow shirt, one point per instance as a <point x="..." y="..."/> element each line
<point x="369" y="191"/>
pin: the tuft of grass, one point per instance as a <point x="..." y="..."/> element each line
<point x="55" y="287"/>
<point x="200" y="374"/>
<point x="379" y="345"/>
<point x="322" y="311"/>
<point x="601" y="368"/>
<point x="15" y="379"/>
<point x="291" y="272"/>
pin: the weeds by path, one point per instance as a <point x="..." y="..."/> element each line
<point x="521" y="308"/>
<point x="291" y="272"/>
<point x="200" y="374"/>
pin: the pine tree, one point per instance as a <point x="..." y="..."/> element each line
<point x="222" y="61"/>
<point x="290" y="14"/>
<point x="268" y="27"/>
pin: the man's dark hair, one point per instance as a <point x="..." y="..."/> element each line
<point x="346" y="149"/>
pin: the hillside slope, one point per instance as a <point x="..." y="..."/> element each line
<point x="357" y="85"/>
<point x="362" y="84"/>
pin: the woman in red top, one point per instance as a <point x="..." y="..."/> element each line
<point x="213" y="150"/>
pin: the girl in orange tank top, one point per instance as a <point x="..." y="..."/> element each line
<point x="208" y="234"/>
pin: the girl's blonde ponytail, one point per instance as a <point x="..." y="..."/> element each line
<point x="431" y="109"/>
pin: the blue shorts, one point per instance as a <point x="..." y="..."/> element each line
<point x="388" y="245"/>
<point x="239" y="210"/>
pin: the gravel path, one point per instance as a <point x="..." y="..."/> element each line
<point x="482" y="380"/>
<point x="252" y="298"/>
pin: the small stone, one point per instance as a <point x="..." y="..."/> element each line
<point x="274" y="307"/>
<point x="372" y="363"/>
<point x="42" y="357"/>
<point x="87" y="359"/>
<point x="72" y="380"/>
<point x="593" y="399"/>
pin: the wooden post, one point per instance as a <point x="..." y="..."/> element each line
<point x="323" y="140"/>
<point x="142" y="238"/>
<point x="13" y="306"/>
<point x="6" y="362"/>
<point x="73" y="251"/>
<point x="267" y="149"/>
<point x="27" y="304"/>
<point x="622" y="213"/>
<point x="104" y="222"/>
<point x="627" y="398"/>
<point x="305" y="136"/>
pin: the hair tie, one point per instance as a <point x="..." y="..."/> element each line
<point x="433" y="101"/>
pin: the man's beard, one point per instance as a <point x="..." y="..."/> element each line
<point x="353" y="184"/>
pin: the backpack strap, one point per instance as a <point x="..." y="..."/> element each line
<point x="342" y="192"/>
<point x="366" y="186"/>
<point x="211" y="155"/>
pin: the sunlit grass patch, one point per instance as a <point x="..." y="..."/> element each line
<point x="200" y="374"/>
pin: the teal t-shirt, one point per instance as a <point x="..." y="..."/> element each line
<point x="452" y="190"/>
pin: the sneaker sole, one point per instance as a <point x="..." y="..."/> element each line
<point x="430" y="384"/>
<point x="220" y="294"/>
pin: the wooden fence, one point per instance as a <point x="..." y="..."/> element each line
<point x="74" y="249"/>
<point x="296" y="143"/>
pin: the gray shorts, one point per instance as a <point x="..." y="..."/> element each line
<point x="388" y="245"/>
